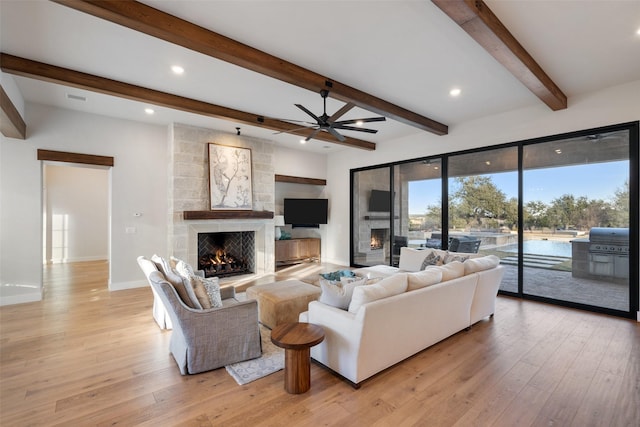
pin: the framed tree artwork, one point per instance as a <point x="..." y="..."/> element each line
<point x="230" y="177"/>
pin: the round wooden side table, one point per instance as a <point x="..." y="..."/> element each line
<point x="297" y="340"/>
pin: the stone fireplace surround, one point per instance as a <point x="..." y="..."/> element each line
<point x="189" y="191"/>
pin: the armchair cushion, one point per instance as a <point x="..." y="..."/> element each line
<point x="182" y="285"/>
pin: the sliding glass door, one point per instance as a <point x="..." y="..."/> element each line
<point x="561" y="213"/>
<point x="576" y="213"/>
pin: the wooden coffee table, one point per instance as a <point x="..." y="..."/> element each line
<point x="297" y="340"/>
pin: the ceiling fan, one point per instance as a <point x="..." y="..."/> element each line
<point x="330" y="124"/>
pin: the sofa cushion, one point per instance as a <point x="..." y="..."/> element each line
<point x="422" y="279"/>
<point x="431" y="259"/>
<point x="338" y="293"/>
<point x="182" y="285"/>
<point x="210" y="298"/>
<point x="389" y="286"/>
<point x="411" y="259"/>
<point x="450" y="271"/>
<point x="474" y="265"/>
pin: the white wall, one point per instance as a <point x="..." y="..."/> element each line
<point x="619" y="104"/>
<point x="77" y="196"/>
<point x="138" y="185"/>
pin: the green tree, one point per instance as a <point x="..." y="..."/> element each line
<point x="620" y="206"/>
<point x="535" y="215"/>
<point x="476" y="199"/>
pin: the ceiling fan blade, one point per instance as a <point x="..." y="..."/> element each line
<point x="312" y="134"/>
<point x="367" y="120"/>
<point x="355" y="129"/>
<point x="308" y="112"/>
<point x="335" y="133"/>
<point x="292" y="130"/>
<point x="341" y="112"/>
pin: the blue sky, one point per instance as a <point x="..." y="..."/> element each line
<point x="595" y="181"/>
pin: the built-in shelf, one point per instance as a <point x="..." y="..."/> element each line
<point x="300" y="180"/>
<point x="230" y="214"/>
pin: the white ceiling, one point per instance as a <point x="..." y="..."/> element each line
<point x="406" y="52"/>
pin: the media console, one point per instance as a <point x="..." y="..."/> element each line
<point x="293" y="251"/>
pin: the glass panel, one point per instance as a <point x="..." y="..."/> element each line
<point x="576" y="220"/>
<point x="371" y="217"/>
<point x="483" y="207"/>
<point x="419" y="214"/>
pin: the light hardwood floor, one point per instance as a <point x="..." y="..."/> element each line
<point x="86" y="356"/>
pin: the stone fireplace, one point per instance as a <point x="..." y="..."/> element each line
<point x="226" y="254"/>
<point x="189" y="191"/>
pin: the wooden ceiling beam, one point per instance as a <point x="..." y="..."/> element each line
<point x="475" y="17"/>
<point x="143" y="18"/>
<point x="11" y="123"/>
<point x="53" y="74"/>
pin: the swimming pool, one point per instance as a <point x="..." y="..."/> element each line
<point x="541" y="247"/>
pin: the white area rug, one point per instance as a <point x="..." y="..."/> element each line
<point x="272" y="359"/>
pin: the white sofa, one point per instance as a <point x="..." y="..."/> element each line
<point x="363" y="341"/>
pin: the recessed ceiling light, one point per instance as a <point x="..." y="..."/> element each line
<point x="359" y="123"/>
<point x="177" y="69"/>
<point x="149" y="111"/>
<point x="487" y="163"/>
<point x="559" y="151"/>
<point x="303" y="141"/>
<point x="638" y="32"/>
<point x="455" y="91"/>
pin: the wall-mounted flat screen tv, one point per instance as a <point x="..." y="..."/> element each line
<point x="380" y="201"/>
<point x="305" y="212"/>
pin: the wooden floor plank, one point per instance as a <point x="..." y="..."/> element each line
<point x="87" y="356"/>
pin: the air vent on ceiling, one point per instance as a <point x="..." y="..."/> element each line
<point x="77" y="97"/>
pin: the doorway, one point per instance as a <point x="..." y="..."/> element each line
<point x="76" y="210"/>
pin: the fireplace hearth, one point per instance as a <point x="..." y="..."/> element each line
<point x="226" y="254"/>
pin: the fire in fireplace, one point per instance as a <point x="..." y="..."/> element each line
<point x="378" y="237"/>
<point x="226" y="254"/>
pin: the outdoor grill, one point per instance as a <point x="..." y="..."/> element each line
<point x="609" y="252"/>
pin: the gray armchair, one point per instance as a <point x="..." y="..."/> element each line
<point x="206" y="339"/>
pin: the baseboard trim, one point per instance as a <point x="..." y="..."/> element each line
<point x="121" y="286"/>
<point x="19" y="297"/>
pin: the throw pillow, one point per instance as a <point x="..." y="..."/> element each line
<point x="431" y="259"/>
<point x="473" y="265"/>
<point x="422" y="279"/>
<point x="197" y="283"/>
<point x="338" y="293"/>
<point x="212" y="287"/>
<point x="450" y="257"/>
<point x="336" y="275"/>
<point x="182" y="267"/>
<point x="411" y="259"/>
<point x="392" y="285"/>
<point x="182" y="285"/>
<point x="186" y="272"/>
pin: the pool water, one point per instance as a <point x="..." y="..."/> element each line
<point x="541" y="247"/>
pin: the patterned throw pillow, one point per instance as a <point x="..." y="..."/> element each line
<point x="450" y="257"/>
<point x="212" y="285"/>
<point x="431" y="259"/>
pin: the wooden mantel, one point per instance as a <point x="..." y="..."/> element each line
<point x="227" y="214"/>
<point x="300" y="180"/>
